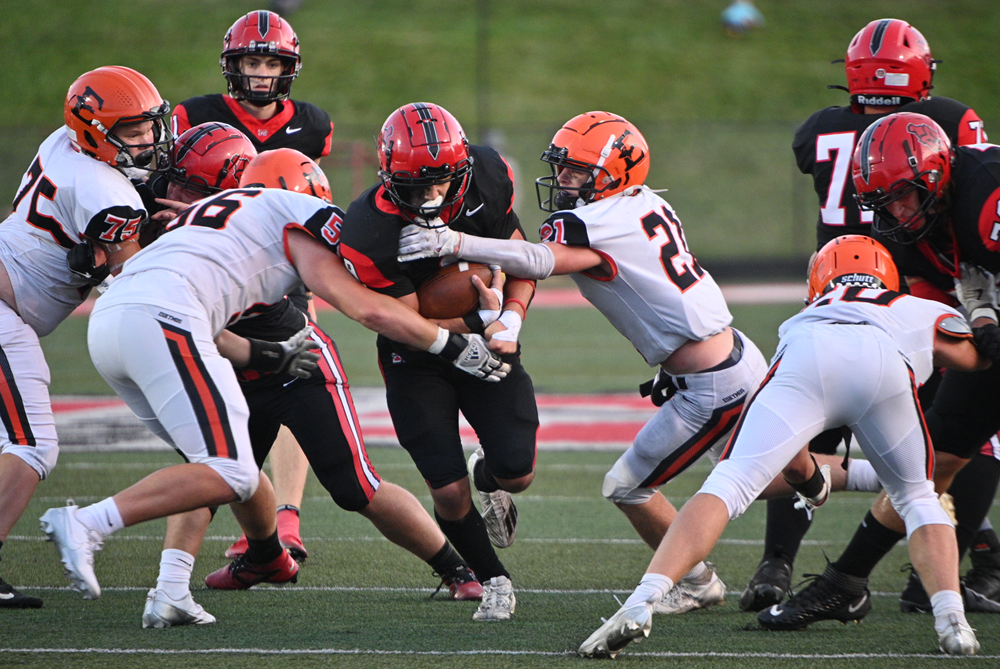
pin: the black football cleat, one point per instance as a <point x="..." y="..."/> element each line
<point x="12" y="599"/>
<point x="914" y="598"/>
<point x="830" y="596"/>
<point x="769" y="585"/>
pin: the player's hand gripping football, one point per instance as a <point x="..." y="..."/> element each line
<point x="470" y="354"/>
<point x="416" y="242"/>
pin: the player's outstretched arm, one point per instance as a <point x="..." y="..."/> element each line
<point x="518" y="257"/>
<point x="325" y="275"/>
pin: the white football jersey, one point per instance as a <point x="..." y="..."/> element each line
<point x="658" y="296"/>
<point x="63" y="197"/>
<point x="910" y="321"/>
<point x="224" y="255"/>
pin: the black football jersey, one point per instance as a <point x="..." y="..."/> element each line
<point x="824" y="146"/>
<point x="974" y="234"/>
<point x="369" y="237"/>
<point x="297" y="125"/>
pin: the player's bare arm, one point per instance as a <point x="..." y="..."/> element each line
<point x="324" y="273"/>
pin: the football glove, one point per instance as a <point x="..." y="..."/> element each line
<point x="470" y="354"/>
<point x="987" y="340"/>
<point x="293" y="356"/>
<point x="416" y="242"/>
<point x="977" y="291"/>
<point x="82" y="263"/>
<point x="659" y="389"/>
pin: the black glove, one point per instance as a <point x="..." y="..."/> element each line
<point x="987" y="339"/>
<point x="659" y="389"/>
<point x="470" y="354"/>
<point x="293" y="356"/>
<point x="81" y="263"/>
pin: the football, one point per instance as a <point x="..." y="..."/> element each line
<point x="450" y="293"/>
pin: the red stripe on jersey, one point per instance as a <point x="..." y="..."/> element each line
<point x="364" y="268"/>
<point x="384" y="204"/>
<point x="204" y="398"/>
<point x="510" y="175"/>
<point x="971" y="129"/>
<point x="326" y="142"/>
<point x="180" y="120"/>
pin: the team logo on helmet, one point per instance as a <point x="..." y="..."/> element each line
<point x="925" y="135"/>
<point x="83" y="100"/>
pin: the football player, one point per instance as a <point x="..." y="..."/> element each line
<point x="933" y="206"/>
<point x="431" y="176"/>
<point x="889" y="67"/>
<point x="854" y="357"/>
<point x="75" y="197"/>
<point x="260" y="60"/>
<point x="319" y="410"/>
<point x="624" y="247"/>
<point x="158" y="337"/>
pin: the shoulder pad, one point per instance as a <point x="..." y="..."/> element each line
<point x="954" y="326"/>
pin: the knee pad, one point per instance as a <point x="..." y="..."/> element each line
<point x="41" y="457"/>
<point x="925" y="510"/>
<point x="620" y="487"/>
<point x="242" y="477"/>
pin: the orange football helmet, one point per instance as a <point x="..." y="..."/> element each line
<point x="852" y="260"/>
<point x="607" y="146"/>
<point x="101" y="101"/>
<point x="287" y="169"/>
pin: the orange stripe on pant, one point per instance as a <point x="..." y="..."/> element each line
<point x="186" y="355"/>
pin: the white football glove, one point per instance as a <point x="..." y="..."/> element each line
<point x="416" y="242"/>
<point x="977" y="292"/>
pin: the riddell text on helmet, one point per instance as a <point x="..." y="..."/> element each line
<point x="880" y="100"/>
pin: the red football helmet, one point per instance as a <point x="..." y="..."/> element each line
<point x="287" y="169"/>
<point x="889" y="64"/>
<point x="210" y="157"/>
<point x="101" y="101"/>
<point x="607" y="146"/>
<point x="897" y="155"/>
<point x="422" y="145"/>
<point x="267" y="34"/>
<point x="852" y="260"/>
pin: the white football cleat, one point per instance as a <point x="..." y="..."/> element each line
<point x="499" y="512"/>
<point x="76" y="545"/>
<point x="627" y="625"/>
<point x="498" y="600"/>
<point x="163" y="611"/>
<point x="958" y="638"/>
<point x="706" y="591"/>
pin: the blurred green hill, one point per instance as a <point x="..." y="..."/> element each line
<point x="718" y="112"/>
